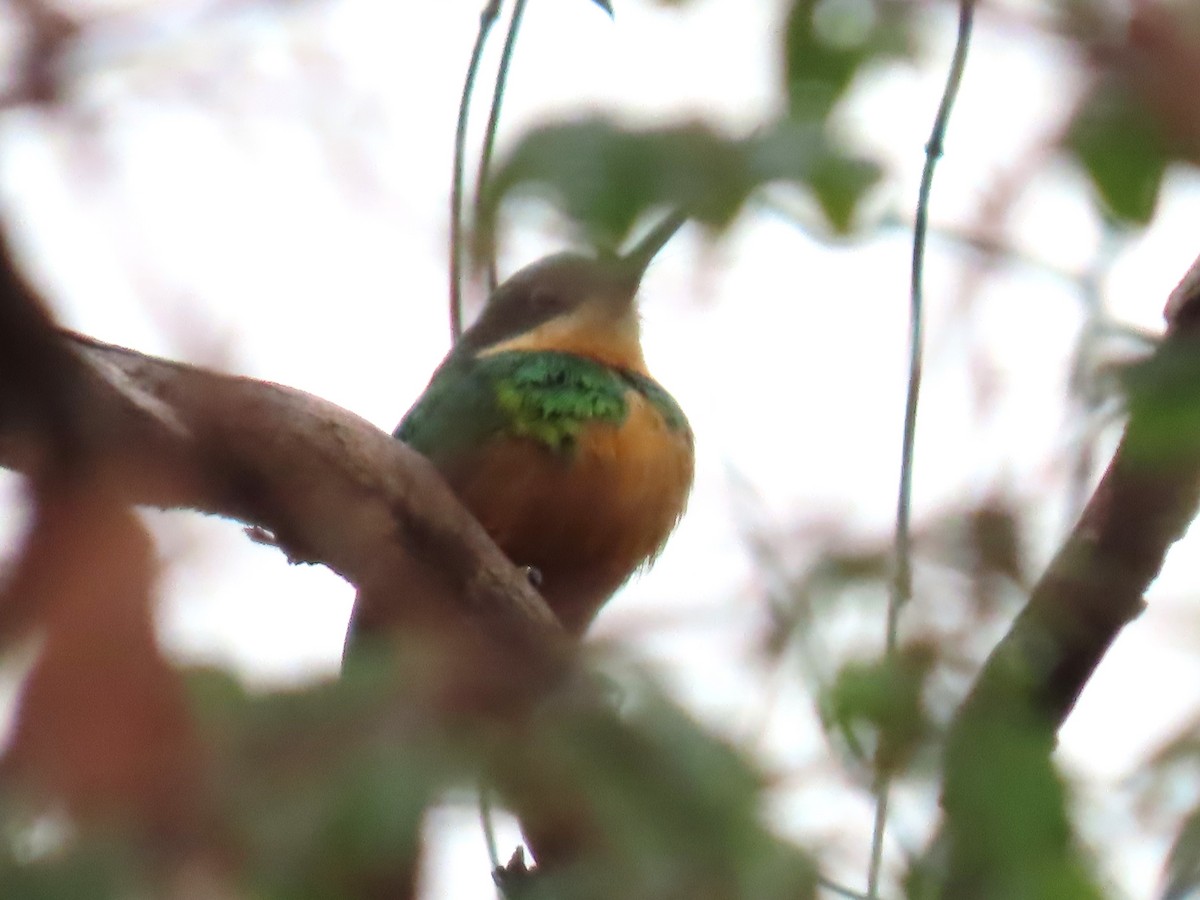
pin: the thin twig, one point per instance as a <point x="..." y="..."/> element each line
<point x="489" y="137"/>
<point x="901" y="592"/>
<point x="487" y="19"/>
<point x="840" y="889"/>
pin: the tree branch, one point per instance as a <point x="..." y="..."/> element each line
<point x="331" y="487"/>
<point x="1005" y="729"/>
<point x="1094" y="585"/>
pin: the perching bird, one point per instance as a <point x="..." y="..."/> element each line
<point x="546" y="423"/>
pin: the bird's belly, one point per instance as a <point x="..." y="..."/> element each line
<point x="586" y="520"/>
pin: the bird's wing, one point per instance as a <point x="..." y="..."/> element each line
<point x="660" y="399"/>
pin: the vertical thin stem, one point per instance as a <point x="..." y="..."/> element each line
<point x="487" y="19"/>
<point x="901" y="589"/>
<point x="840" y="889"/>
<point x="489" y="138"/>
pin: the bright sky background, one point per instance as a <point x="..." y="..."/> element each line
<point x="273" y="202"/>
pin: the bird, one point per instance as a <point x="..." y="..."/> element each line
<point x="546" y="423"/>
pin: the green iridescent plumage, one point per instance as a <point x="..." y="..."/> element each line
<point x="545" y="396"/>
<point x="549" y="397"/>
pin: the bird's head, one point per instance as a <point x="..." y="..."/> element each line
<point x="572" y="303"/>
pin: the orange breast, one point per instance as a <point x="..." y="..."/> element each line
<point x="586" y="520"/>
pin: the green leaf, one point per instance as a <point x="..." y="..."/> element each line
<point x="105" y="868"/>
<point x="1007" y="827"/>
<point x="671" y="812"/>
<point x="1183" y="862"/>
<point x="801" y="153"/>
<point x="828" y="42"/>
<point x="885" y="698"/>
<point x="607" y="177"/>
<point x="605" y="5"/>
<point x="1123" y="150"/>
<point x="1164" y="404"/>
<point x="839" y="183"/>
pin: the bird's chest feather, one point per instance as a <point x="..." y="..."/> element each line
<point x="611" y="491"/>
<point x="584" y="474"/>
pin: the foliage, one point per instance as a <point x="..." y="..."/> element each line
<point x="321" y="793"/>
<point x="1122" y="148"/>
<point x="607" y="176"/>
<point x="324" y="791"/>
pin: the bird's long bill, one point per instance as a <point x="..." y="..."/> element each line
<point x="641" y="254"/>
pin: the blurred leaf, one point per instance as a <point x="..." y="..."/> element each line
<point x="324" y="788"/>
<point x="606" y="177"/>
<point x="1123" y="150"/>
<point x="995" y="532"/>
<point x="801" y="153"/>
<point x="1007" y="832"/>
<point x="668" y="811"/>
<point x="1183" y="861"/>
<point x="885" y="697"/>
<point x="605" y="5"/>
<point x="98" y="869"/>
<point x="852" y="566"/>
<point x="985" y="543"/>
<point x="103" y="729"/>
<point x="1164" y="395"/>
<point x="839" y="184"/>
<point x="828" y="42"/>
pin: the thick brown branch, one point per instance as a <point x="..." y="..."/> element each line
<point x="330" y="486"/>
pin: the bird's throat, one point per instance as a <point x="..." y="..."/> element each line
<point x="591" y="331"/>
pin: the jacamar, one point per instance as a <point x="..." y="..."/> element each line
<point x="547" y="425"/>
